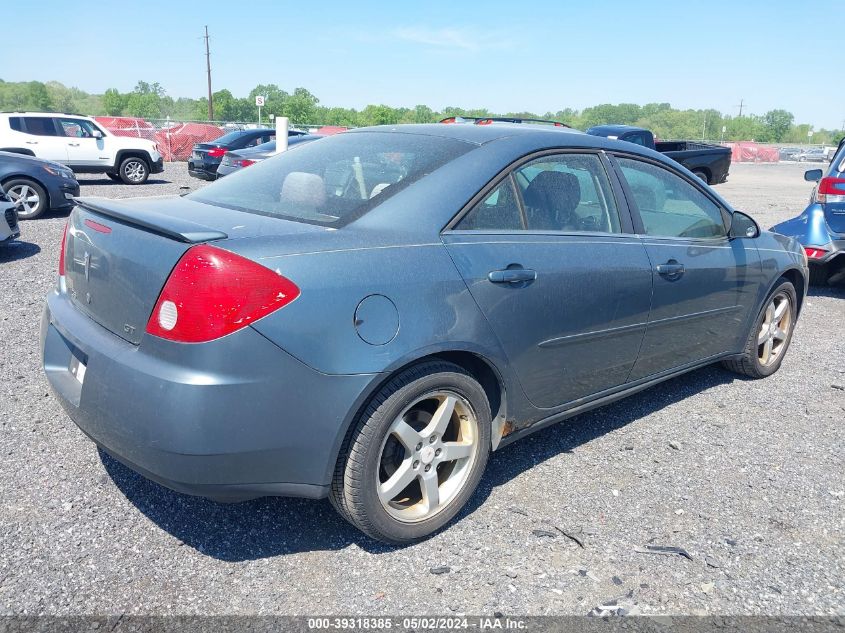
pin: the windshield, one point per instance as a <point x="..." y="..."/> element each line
<point x="334" y="180"/>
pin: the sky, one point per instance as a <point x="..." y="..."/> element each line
<point x="504" y="56"/>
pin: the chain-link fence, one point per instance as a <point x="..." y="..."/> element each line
<point x="175" y="139"/>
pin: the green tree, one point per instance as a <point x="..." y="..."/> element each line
<point x="778" y="123"/>
<point x="113" y="102"/>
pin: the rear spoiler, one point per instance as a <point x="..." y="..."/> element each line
<point x="487" y="120"/>
<point x="170" y="226"/>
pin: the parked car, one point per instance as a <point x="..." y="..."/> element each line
<point x="814" y="154"/>
<point x="821" y="226"/>
<point x="36" y="185"/>
<point x="81" y="144"/>
<point x="235" y="161"/>
<point x="205" y="157"/>
<point x="788" y="153"/>
<point x="9" y="229"/>
<point x="367" y="317"/>
<point x="711" y="163"/>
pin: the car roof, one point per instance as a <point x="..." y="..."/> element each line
<point x="470" y="132"/>
<point x="44" y="114"/>
<point x="535" y="137"/>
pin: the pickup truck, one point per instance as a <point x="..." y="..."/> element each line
<point x="709" y="162"/>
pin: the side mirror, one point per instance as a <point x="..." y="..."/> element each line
<point x="98" y="134"/>
<point x="743" y="225"/>
<point x="813" y="175"/>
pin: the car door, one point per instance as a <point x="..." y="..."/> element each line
<point x="42" y="136"/>
<point x="704" y="282"/>
<point x="556" y="270"/>
<point x="83" y="148"/>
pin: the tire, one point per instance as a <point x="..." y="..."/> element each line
<point x="702" y="176"/>
<point x="818" y="275"/>
<point x="113" y="176"/>
<point x="373" y="455"/>
<point x="36" y="201"/>
<point x="134" y="170"/>
<point x="754" y="362"/>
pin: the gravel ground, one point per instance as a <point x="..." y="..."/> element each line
<point x="746" y="476"/>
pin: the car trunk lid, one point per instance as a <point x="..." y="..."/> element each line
<point x="119" y="254"/>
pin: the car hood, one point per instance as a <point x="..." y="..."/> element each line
<point x="23" y="158"/>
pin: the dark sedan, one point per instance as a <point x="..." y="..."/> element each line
<point x="235" y="161"/>
<point x="367" y="317"/>
<point x="37" y="186"/>
<point x="205" y="157"/>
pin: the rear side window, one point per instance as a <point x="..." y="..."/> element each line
<point x="39" y="125"/>
<point x="669" y="206"/>
<point x="568" y="192"/>
<point x="334" y="180"/>
<point x="15" y="123"/>
<point x="499" y="211"/>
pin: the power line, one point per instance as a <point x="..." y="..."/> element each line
<point x="208" y="69"/>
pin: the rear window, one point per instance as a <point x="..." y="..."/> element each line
<point x="334" y="180"/>
<point x="231" y="137"/>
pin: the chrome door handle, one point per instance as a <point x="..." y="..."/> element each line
<point x="671" y="270"/>
<point x="32" y="142"/>
<point x="74" y="144"/>
<point x="512" y="275"/>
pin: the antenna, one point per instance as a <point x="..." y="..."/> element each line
<point x="208" y="69"/>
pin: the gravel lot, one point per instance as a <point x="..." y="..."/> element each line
<point x="746" y="476"/>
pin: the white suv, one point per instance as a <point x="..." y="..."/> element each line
<point x="81" y="144"/>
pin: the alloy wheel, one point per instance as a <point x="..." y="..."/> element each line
<point x="774" y="330"/>
<point x="26" y="198"/>
<point x="427" y="456"/>
<point x="134" y="170"/>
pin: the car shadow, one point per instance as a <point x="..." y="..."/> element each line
<point x="832" y="290"/>
<point x="276" y="526"/>
<point x="17" y="250"/>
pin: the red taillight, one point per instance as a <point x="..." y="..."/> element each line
<point x="62" y="251"/>
<point x="244" y="162"/>
<point x="814" y="253"/>
<point x="484" y="122"/>
<point x="450" y="119"/>
<point x="217" y="152"/>
<point x="831" y="190"/>
<point x="212" y="293"/>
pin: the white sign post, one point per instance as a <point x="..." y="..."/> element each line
<point x="281" y="133"/>
<point x="259" y="101"/>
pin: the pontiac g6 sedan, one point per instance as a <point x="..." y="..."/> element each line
<point x="368" y="317"/>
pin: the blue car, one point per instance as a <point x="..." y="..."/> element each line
<point x="368" y="317"/>
<point x="821" y="227"/>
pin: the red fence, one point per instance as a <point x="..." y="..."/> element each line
<point x="175" y="139"/>
<point x="750" y="152"/>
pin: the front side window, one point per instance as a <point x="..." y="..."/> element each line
<point x="77" y="128"/>
<point x="39" y="125"/>
<point x="567" y="192"/>
<point x="334" y="180"/>
<point x="669" y="206"/>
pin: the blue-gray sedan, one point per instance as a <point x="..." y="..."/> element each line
<point x="368" y="317"/>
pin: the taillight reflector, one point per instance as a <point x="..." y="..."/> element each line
<point x="212" y="292"/>
<point x="100" y="228"/>
<point x="244" y="162"/>
<point x="814" y="253"/>
<point x="216" y="152"/>
<point x="62" y="251"/>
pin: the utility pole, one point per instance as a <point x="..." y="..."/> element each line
<point x="741" y="104"/>
<point x="208" y="69"/>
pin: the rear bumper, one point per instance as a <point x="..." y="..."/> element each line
<point x="233" y="419"/>
<point x="203" y="170"/>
